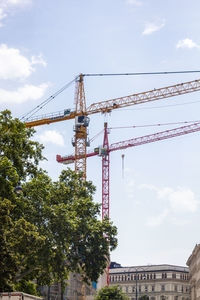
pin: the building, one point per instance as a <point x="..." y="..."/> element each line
<point x="158" y="282"/>
<point x="194" y="267"/>
<point x="75" y="290"/>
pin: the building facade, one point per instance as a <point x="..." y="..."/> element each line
<point x="158" y="282"/>
<point x="74" y="290"/>
<point x="194" y="268"/>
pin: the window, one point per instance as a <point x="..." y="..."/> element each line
<point x="131" y="277"/>
<point x="173" y="275"/>
<point x="146" y="288"/>
<point x="162" y="287"/>
<point x="139" y="288"/>
<point x="154" y="277"/>
<point x="153" y="288"/>
<point x="175" y="288"/>
<point x="133" y="289"/>
<point x="187" y="289"/>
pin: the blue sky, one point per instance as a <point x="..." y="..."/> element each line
<point x="45" y="44"/>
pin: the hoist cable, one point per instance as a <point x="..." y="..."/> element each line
<point x="153" y="125"/>
<point x="141" y="73"/>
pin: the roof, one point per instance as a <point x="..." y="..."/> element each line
<point x="194" y="252"/>
<point x="149" y="268"/>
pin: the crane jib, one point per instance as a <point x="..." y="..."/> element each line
<point x="125" y="101"/>
<point x="139" y="98"/>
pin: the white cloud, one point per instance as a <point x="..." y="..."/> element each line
<point x="180" y="200"/>
<point x="17" y="2"/>
<point x="23" y="94"/>
<point x="38" y="60"/>
<point x="2" y="15"/>
<point x="6" y="6"/>
<point x="51" y="136"/>
<point x="177" y="204"/>
<point x="161" y="192"/>
<point x="183" y="200"/>
<point x="151" y="27"/>
<point x="187" y="43"/>
<point x="16" y="66"/>
<point x="134" y="2"/>
<point x="13" y="64"/>
<point x="158" y="220"/>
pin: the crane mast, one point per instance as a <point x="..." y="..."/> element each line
<point x="80" y="128"/>
<point x="105" y="174"/>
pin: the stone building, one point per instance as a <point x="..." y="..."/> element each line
<point x="75" y="290"/>
<point x="194" y="267"/>
<point x="158" y="282"/>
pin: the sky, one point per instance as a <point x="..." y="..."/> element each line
<point x="44" y="44"/>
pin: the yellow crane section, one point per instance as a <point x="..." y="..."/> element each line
<point x="80" y="141"/>
<point x="139" y="98"/>
<point x="109" y="105"/>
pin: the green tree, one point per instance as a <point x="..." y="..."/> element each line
<point x="16" y="145"/>
<point x="18" y="156"/>
<point x="53" y="227"/>
<point x="145" y="297"/>
<point x="112" y="293"/>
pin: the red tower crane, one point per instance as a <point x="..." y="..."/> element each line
<point x="106" y="149"/>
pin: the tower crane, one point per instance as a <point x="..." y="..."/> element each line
<point x="81" y="113"/>
<point x="106" y="149"/>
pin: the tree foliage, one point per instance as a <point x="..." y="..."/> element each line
<point x="53" y="227"/>
<point x="113" y="293"/>
<point x="145" y="297"/>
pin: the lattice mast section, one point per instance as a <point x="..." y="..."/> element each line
<point x="105" y="174"/>
<point x="80" y="128"/>
<point x="105" y="184"/>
